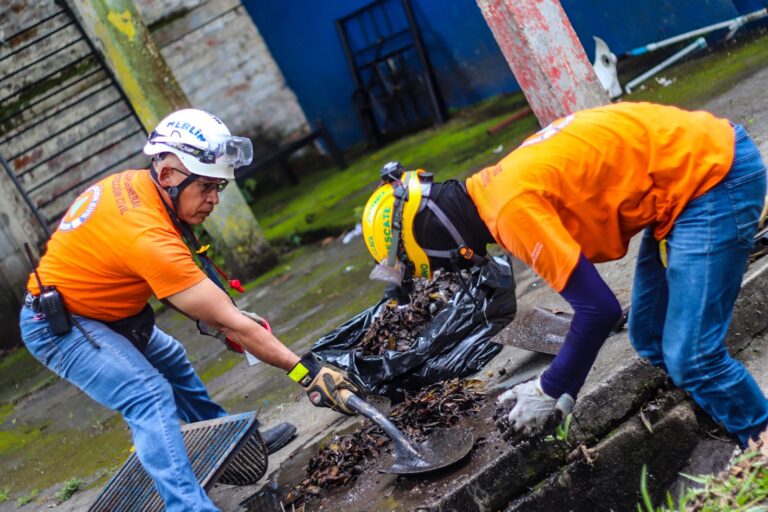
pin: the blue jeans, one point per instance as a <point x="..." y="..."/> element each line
<point x="680" y="315"/>
<point x="152" y="391"/>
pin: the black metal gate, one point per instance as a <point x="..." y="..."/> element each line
<point x="395" y="88"/>
<point x="64" y="121"/>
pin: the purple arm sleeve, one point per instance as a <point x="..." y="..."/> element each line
<point x="596" y="311"/>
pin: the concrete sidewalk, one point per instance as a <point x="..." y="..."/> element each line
<point x="311" y="302"/>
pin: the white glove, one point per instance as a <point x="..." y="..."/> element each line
<point x="531" y="408"/>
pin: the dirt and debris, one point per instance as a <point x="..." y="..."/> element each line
<point x="343" y="458"/>
<point x="398" y="327"/>
<point x="741" y="485"/>
<point x="514" y="436"/>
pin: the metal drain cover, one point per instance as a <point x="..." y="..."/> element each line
<point x="211" y="446"/>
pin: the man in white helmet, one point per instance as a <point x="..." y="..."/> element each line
<point x="86" y="315"/>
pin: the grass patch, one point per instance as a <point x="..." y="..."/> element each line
<point x="743" y="487"/>
<point x="329" y="201"/>
<point x="27" y="498"/>
<point x="697" y="80"/>
<point x="70" y="487"/>
<point x="5" y="495"/>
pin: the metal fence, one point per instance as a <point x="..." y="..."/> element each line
<point x="64" y="121"/>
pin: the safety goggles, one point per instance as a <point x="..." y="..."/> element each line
<point x="231" y="150"/>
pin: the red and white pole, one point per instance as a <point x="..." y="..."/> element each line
<point x="545" y="55"/>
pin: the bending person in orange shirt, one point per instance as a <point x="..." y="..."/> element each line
<point x="574" y="194"/>
<point x="122" y="241"/>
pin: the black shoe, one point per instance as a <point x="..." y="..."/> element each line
<point x="277" y="437"/>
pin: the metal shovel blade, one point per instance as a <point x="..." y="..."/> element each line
<point x="441" y="449"/>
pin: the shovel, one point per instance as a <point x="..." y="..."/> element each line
<point x="443" y="447"/>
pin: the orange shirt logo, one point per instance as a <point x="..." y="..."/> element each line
<point x="81" y="209"/>
<point x="548" y="131"/>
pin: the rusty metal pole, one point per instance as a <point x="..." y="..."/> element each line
<point x="545" y="55"/>
<point x="128" y="49"/>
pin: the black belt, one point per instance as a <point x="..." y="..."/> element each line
<point x="32" y="301"/>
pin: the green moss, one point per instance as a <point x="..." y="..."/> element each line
<point x="334" y="200"/>
<point x="20" y="375"/>
<point x="9" y="110"/>
<point x="5" y="411"/>
<point x="284" y="391"/>
<point x="697" y="80"/>
<point x="167" y="20"/>
<point x="278" y="270"/>
<point x="36" y="458"/>
<point x="219" y="366"/>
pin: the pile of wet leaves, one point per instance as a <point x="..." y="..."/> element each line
<point x="398" y="327"/>
<point x="345" y="457"/>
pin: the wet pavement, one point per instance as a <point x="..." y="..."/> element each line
<point x="329" y="286"/>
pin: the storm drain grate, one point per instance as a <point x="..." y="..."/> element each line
<point x="211" y="446"/>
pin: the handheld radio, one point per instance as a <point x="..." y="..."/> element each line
<point x="51" y="302"/>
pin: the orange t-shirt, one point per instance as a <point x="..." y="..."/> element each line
<point x="590" y="181"/>
<point x="114" y="248"/>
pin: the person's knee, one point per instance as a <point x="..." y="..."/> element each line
<point x="689" y="371"/>
<point x="176" y="350"/>
<point x="146" y="396"/>
<point x="171" y="349"/>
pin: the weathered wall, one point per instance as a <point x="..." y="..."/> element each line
<point x="63" y="125"/>
<point x="467" y="62"/>
<point x="223" y="65"/>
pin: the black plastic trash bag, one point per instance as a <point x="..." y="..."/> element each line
<point x="456" y="343"/>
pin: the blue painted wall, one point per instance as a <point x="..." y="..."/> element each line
<point x="301" y="34"/>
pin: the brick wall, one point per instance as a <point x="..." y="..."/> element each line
<point x="223" y="65"/>
<point x="63" y="125"/>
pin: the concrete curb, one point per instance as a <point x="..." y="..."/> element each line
<point x="613" y="401"/>
<point x="497" y="475"/>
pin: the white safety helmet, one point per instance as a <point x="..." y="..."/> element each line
<point x="202" y="142"/>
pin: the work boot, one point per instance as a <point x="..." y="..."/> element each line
<point x="278" y="436"/>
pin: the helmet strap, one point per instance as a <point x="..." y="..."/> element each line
<point x="187" y="233"/>
<point x="174" y="191"/>
<point x="463" y="250"/>
<point x="395" y="253"/>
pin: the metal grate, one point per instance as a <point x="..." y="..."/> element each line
<point x="211" y="446"/>
<point x="64" y="121"/>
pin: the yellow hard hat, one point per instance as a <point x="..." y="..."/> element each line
<point x="388" y="227"/>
